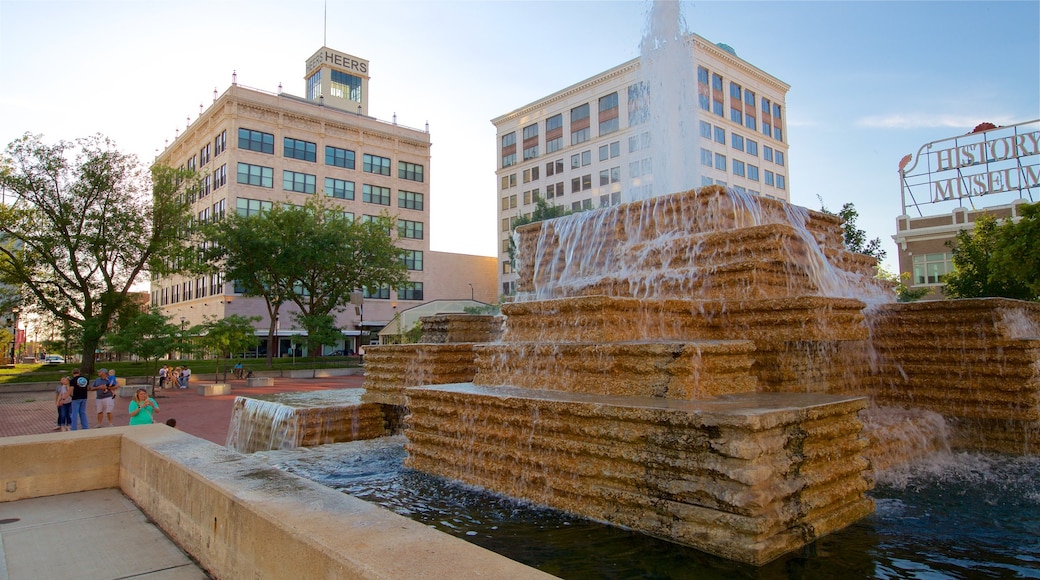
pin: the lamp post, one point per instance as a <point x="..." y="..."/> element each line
<point x="471" y="291"/>
<point x="14" y="331"/>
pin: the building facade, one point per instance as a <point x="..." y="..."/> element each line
<point x="587" y="146"/>
<point x="254" y="149"/>
<point x="950" y="182"/>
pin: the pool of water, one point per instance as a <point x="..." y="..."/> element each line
<point x="954" y="516"/>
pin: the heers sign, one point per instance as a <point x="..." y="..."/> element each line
<point x="337" y="59"/>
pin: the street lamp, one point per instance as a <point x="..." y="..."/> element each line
<point x="471" y="291"/>
<point x="14" y="332"/>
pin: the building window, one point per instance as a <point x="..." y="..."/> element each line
<point x="314" y="86"/>
<point x="218" y="209"/>
<point x="255" y="175"/>
<point x="738" y="167"/>
<point x="298" y="182"/>
<point x="299" y="149"/>
<point x="778" y="133"/>
<point x="717" y="96"/>
<point x="705" y="129"/>
<point x="220" y="177"/>
<point x="375" y="164"/>
<point x="752" y="172"/>
<point x="932" y="269"/>
<point x="256" y="141"/>
<point x="769" y="177"/>
<point x="720" y="161"/>
<point x="247" y="207"/>
<point x="580" y="124"/>
<point x="779" y="158"/>
<point x="410" y="291"/>
<point x="509" y="149"/>
<point x="204" y="155"/>
<point x="767" y="153"/>
<point x="638" y="105"/>
<point x="705" y="157"/>
<point x="412" y="259"/>
<point x="345" y="86"/>
<point x="339" y="188"/>
<point x="554" y="167"/>
<point x="554" y="133"/>
<point x="781" y="182"/>
<point x="409" y="200"/>
<point x="531" y="141"/>
<point x="736" y="141"/>
<point x="375" y="194"/>
<point x="410" y="171"/>
<point x="586" y="182"/>
<point x="703" y="93"/>
<point x="531" y="174"/>
<point x="608" y="114"/>
<point x="410" y="229"/>
<point x="752" y="147"/>
<point x="220" y="143"/>
<point x="382" y="292"/>
<point x="720" y="135"/>
<point x="337" y="157"/>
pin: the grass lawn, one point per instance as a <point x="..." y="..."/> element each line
<point x="38" y="372"/>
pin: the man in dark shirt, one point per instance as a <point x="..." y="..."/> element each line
<point x="106" y="397"/>
<point x="79" y="400"/>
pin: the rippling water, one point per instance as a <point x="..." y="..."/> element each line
<point x="959" y="516"/>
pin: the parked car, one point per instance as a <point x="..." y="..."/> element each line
<point x="54" y="359"/>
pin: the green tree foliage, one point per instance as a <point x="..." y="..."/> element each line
<point x="149" y="335"/>
<point x="997" y="259"/>
<point x="855" y="238"/>
<point x="542" y="211"/>
<point x="312" y="256"/>
<point x="226" y="336"/>
<point x="86" y="223"/>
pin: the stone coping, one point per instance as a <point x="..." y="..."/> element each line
<point x="237" y="516"/>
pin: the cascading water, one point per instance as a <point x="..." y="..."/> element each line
<point x="669" y="96"/>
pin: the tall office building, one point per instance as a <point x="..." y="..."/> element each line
<point x="256" y="148"/>
<point x="588" y="145"/>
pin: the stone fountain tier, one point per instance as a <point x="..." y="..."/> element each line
<point x="707" y="245"/>
<point x="747" y="477"/>
<point x="449" y="328"/>
<point x="793" y="337"/>
<point x="975" y="362"/>
<point x="671" y="370"/>
<point x="390" y="368"/>
<point x="291" y="420"/>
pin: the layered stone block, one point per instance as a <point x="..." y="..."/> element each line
<point x="975" y="362"/>
<point x="452" y="328"/>
<point x="671" y="370"/>
<point x="304" y="420"/>
<point x="391" y="368"/>
<point x="746" y="477"/>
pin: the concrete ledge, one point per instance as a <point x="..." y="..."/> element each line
<point x="260" y="382"/>
<point x="238" y="517"/>
<point x="216" y="389"/>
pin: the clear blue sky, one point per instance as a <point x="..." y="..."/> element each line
<point x="870" y="81"/>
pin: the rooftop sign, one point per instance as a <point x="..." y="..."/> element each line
<point x="948" y="173"/>
<point x="338" y="60"/>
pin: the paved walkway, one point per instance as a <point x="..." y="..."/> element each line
<point x="31" y="413"/>
<point x="44" y="537"/>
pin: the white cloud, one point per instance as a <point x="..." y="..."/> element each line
<point x="928" y="121"/>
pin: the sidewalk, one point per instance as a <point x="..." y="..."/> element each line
<point x="205" y="417"/>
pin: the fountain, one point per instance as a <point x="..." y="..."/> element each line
<point x="708" y="368"/>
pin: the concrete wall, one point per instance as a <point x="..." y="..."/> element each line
<point x="237" y="516"/>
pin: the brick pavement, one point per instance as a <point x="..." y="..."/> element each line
<point x="205" y="417"/>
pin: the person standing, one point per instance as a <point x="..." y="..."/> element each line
<point x="142" y="408"/>
<point x="80" y="387"/>
<point x="105" y="397"/>
<point x="162" y="377"/>
<point x="185" y="377"/>
<point x="63" y="401"/>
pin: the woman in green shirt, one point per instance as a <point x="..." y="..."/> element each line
<point x="142" y="407"/>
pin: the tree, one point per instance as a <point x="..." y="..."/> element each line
<point x="227" y="336"/>
<point x="997" y="259"/>
<point x="311" y="255"/>
<point x="85" y="224"/>
<point x="148" y="335"/>
<point x="855" y="239"/>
